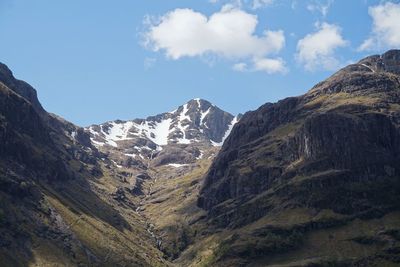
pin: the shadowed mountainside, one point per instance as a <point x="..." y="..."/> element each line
<point x="312" y="180"/>
<point x="49" y="212"/>
<point x="303" y="169"/>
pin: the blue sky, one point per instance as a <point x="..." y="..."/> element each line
<point x="95" y="60"/>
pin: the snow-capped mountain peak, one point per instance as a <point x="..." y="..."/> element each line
<point x="196" y="122"/>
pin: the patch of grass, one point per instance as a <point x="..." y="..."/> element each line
<point x="110" y="245"/>
<point x="332" y="101"/>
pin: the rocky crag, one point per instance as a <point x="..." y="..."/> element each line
<point x="52" y="211"/>
<point x="312" y="180"/>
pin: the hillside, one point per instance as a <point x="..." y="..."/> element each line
<point x="312" y="180"/>
<point x="78" y="196"/>
<point x="51" y="211"/>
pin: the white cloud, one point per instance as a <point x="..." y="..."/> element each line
<point x="261" y="3"/>
<point x="270" y="66"/>
<point x="229" y="3"/>
<point x="241" y="66"/>
<point x="386" y="27"/>
<point x="321" y="6"/>
<point x="254" y="4"/>
<point x="317" y="50"/>
<point x="229" y="34"/>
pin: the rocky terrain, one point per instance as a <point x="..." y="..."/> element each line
<point x="52" y="211"/>
<point x="177" y="137"/>
<point x="76" y="197"/>
<point x="197" y="121"/>
<point x="312" y="180"/>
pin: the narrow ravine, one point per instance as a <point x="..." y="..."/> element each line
<point x="149" y="225"/>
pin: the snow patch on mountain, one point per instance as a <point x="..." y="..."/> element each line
<point x="157" y="132"/>
<point x="204" y="115"/>
<point x="227" y="133"/>
<point x="182" y="118"/>
<point x="195" y="122"/>
<point x="175" y="165"/>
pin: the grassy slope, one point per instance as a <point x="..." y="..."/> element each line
<point x="102" y="232"/>
<point x="64" y="221"/>
<point x="117" y="236"/>
<point x="286" y="236"/>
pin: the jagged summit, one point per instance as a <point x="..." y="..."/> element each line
<point x="20" y="87"/>
<point x="388" y="62"/>
<point x="196" y="122"/>
<point x="373" y="74"/>
<point x="318" y="163"/>
<point x="312" y="180"/>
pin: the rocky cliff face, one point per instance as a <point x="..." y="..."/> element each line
<point x="308" y="181"/>
<point x="196" y="121"/>
<point x="20" y="87"/>
<point x="336" y="149"/>
<point x="48" y="199"/>
<point x="77" y="197"/>
<point x="177" y="137"/>
<point x="349" y="123"/>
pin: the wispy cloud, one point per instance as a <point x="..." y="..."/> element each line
<point x="320" y="6"/>
<point x="254" y="4"/>
<point x="262" y="3"/>
<point x="270" y="65"/>
<point x="267" y="65"/>
<point x="149" y="62"/>
<point x="386" y="27"/>
<point x="317" y="49"/>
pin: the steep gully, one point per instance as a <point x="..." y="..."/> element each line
<point x="150" y="226"/>
<point x="140" y="207"/>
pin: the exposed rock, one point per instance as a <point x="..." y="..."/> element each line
<point x="49" y="190"/>
<point x="137" y="187"/>
<point x="342" y="137"/>
<point x="143" y="176"/>
<point x="21" y="88"/>
<point x="197" y="122"/>
<point x="181" y="154"/>
<point x="119" y="194"/>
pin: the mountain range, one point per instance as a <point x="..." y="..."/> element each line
<point x="312" y="180"/>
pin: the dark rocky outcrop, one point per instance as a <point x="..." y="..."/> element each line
<point x="336" y="149"/>
<point x="350" y="122"/>
<point x="21" y="88"/>
<point x="296" y="183"/>
<point x="181" y="154"/>
<point x="43" y="158"/>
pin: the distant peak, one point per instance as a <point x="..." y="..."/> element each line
<point x="198" y="100"/>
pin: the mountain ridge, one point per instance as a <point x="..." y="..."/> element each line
<point x="308" y="181"/>
<point x="194" y="115"/>
<point x="311" y="170"/>
<point x="177" y="137"/>
<point x="50" y="199"/>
